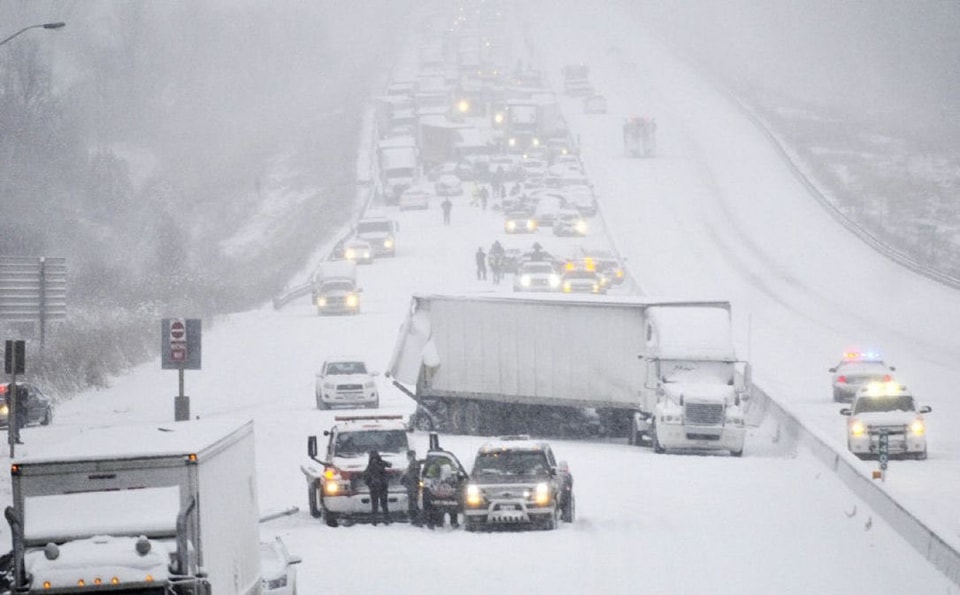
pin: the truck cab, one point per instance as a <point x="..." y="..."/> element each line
<point x="334" y="288"/>
<point x="335" y="487"/>
<point x="380" y="232"/>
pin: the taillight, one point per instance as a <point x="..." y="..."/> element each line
<point x="887" y="378"/>
<point x="842" y="379"/>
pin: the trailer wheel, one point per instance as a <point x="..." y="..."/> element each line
<point x="312" y="501"/>
<point x="473" y="419"/>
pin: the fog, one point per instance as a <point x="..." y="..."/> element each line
<point x="896" y="58"/>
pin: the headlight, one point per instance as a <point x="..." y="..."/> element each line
<point x="672" y="418"/>
<point x="350" y="254"/>
<point x="554" y="281"/>
<point x="567" y="287"/>
<point x="917" y="427"/>
<point x="511" y="225"/>
<point x="596" y="288"/>
<point x="535" y="142"/>
<point x="512" y="142"/>
<point x="329" y="385"/>
<point x="581" y="227"/>
<point x="321" y="301"/>
<point x="474" y="497"/>
<point x="353" y="300"/>
<point x="735" y="421"/>
<point x="4" y="410"/>
<point x="857" y="428"/>
<point x="369" y="384"/>
<point x="541" y="494"/>
<point x="525" y="280"/>
<point x="388" y="243"/>
<point x="531" y="224"/>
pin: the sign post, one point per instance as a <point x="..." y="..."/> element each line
<point x="180" y="350"/>
<point x="883" y="453"/>
<point x="14" y="362"/>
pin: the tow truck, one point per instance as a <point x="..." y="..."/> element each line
<point x="335" y="488"/>
<point x="886" y="408"/>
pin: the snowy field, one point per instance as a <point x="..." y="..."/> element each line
<point x="714" y="215"/>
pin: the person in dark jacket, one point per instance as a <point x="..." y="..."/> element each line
<point x="411" y="480"/>
<point x="446" y="205"/>
<point x="481" y="264"/>
<point x="375" y="476"/>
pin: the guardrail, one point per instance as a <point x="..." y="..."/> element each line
<point x="925" y="540"/>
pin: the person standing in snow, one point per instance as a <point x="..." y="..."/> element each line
<point x="411" y="481"/>
<point x="375" y="476"/>
<point x="446" y="205"/>
<point x="481" y="264"/>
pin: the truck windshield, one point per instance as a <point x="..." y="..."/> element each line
<point x="697" y="371"/>
<point x="878" y="404"/>
<point x="374" y="226"/>
<point x="511" y="462"/>
<point x="355" y="444"/>
<point x="331" y="286"/>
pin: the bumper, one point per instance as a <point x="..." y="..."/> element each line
<point x="679" y="436"/>
<point x="897" y="444"/>
<point x="358" y="505"/>
<point x="509" y="512"/>
<point x="348" y="399"/>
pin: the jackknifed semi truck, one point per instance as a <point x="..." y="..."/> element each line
<point x="661" y="372"/>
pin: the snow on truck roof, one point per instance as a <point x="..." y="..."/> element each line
<point x="586" y="300"/>
<point x="136" y="441"/>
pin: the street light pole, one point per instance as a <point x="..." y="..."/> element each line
<point x="41" y="26"/>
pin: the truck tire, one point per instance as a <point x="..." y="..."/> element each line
<point x="551" y="523"/>
<point x="655" y="440"/>
<point x="470" y="525"/>
<point x="736" y="453"/>
<point x="48" y="418"/>
<point x="320" y="404"/>
<point x="312" y="501"/>
<point x="473" y="419"/>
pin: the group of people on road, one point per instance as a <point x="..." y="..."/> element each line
<point x="376" y="478"/>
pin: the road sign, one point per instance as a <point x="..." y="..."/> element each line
<point x="883" y="449"/>
<point x="14" y="357"/>
<point x="180" y="343"/>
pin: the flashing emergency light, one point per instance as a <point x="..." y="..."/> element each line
<point x="861" y="355"/>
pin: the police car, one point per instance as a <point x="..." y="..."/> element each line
<point x="886" y="408"/>
<point x="855" y="370"/>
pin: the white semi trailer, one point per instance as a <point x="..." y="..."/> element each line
<point x="165" y="509"/>
<point x="659" y="371"/>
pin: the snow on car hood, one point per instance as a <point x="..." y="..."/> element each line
<point x="887" y="418"/>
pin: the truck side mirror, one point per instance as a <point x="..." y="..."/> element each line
<point x="845" y="411"/>
<point x="312" y="446"/>
<point x="926" y="409"/>
<point x="832" y="370"/>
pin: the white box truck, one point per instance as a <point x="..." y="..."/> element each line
<point x="148" y="509"/>
<point x="659" y="371"/>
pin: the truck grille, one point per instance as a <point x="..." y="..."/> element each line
<point x="349" y="387"/>
<point x="704" y="414"/>
<point x="901" y="429"/>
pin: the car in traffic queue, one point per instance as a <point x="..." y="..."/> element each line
<point x="448" y="185"/>
<point x="39" y="405"/>
<point x="595" y="104"/>
<point x="890" y="409"/>
<point x="414" y="198"/>
<point x="381" y="232"/>
<point x="519" y="221"/>
<point x="569" y="222"/>
<point x="278" y="569"/>
<point x="856" y="370"/>
<point x="335" y="487"/>
<point x="536" y="275"/>
<point x="582" y="281"/>
<point x="605" y="262"/>
<point x="346" y="382"/>
<point x="516" y="482"/>
<point x="358" y="251"/>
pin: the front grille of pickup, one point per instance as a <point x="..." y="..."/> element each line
<point x="704" y="414"/>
